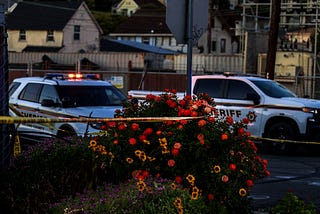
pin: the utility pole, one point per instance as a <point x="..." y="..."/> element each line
<point x="273" y="39"/>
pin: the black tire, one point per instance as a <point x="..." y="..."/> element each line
<point x="66" y="132"/>
<point x="282" y="131"/>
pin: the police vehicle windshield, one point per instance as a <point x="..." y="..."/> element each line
<point x="77" y="96"/>
<point x="273" y="89"/>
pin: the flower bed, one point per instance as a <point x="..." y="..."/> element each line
<point x="208" y="164"/>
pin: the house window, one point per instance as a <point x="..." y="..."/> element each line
<point x="22" y="35"/>
<point x="213" y="46"/>
<point x="76" y="32"/>
<point x="222" y="45"/>
<point x="50" y="36"/>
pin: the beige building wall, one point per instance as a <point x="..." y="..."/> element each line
<point x="89" y="33"/>
<point x="33" y="38"/>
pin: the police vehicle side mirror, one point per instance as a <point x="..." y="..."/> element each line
<point x="68" y="102"/>
<point x="48" y="103"/>
<point x="254" y="97"/>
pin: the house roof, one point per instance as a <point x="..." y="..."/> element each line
<point x="144" y="21"/>
<point x="41" y="15"/>
<point x="131" y="46"/>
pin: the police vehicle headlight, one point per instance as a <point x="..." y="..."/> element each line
<point x="311" y="110"/>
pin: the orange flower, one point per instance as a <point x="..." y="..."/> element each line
<point x="202" y="123"/>
<point x="224" y="136"/>
<point x="229" y="120"/>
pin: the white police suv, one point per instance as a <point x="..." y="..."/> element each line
<point x="62" y="96"/>
<point x="273" y="111"/>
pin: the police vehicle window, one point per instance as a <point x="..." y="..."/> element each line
<point x="212" y="87"/>
<point x="31" y="92"/>
<point x="87" y="95"/>
<point x="238" y="90"/>
<point x="49" y="92"/>
<point x="115" y="96"/>
<point x="13" y="87"/>
<point x="273" y="89"/>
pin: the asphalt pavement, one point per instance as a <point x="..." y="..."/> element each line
<point x="297" y="174"/>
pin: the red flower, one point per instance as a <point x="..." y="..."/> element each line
<point x="147" y="131"/>
<point x="132" y="141"/>
<point x="230" y="120"/>
<point x="171" y="163"/>
<point x="241" y="131"/>
<point x="159" y="132"/>
<point x="115" y="142"/>
<point x="117" y="111"/>
<point x="187" y="112"/>
<point x="245" y="120"/>
<point x="157" y="98"/>
<point x="150" y="97"/>
<point x="232" y="166"/>
<point x="224" y="137"/>
<point x="211" y="119"/>
<point x="249" y="183"/>
<point x="182" y="102"/>
<point x="210" y="196"/>
<point x="194" y="114"/>
<point x="142" y="138"/>
<point x="178" y="180"/>
<point x="111" y="124"/>
<point x="122" y="127"/>
<point x="135" y="126"/>
<point x="174" y="151"/>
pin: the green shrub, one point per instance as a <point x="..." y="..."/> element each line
<point x="292" y="204"/>
<point x="45" y="173"/>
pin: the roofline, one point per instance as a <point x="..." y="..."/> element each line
<point x="92" y="16"/>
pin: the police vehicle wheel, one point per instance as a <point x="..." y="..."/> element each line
<point x="66" y="132"/>
<point x="281" y="131"/>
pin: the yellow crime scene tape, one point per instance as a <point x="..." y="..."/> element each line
<point x="13" y="120"/>
<point x="21" y="120"/>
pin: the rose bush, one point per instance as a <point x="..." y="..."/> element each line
<point x="213" y="157"/>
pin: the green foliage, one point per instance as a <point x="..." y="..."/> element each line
<point x="292" y="204"/>
<point x="108" y="21"/>
<point x="45" y="173"/>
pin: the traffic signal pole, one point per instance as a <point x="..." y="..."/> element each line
<point x="190" y="45"/>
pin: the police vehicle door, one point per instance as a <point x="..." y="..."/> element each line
<point x="232" y="98"/>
